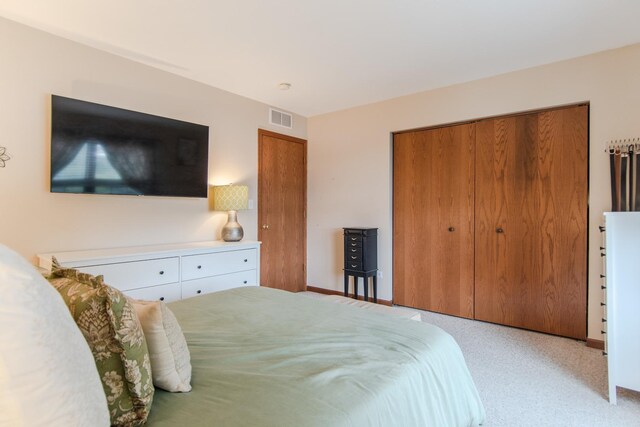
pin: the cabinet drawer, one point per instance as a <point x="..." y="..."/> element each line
<point x="207" y="285"/>
<point x="137" y="274"/>
<point x="353" y="244"/>
<point x="215" y="263"/>
<point x="352" y="257"/>
<point x="166" y="293"/>
<point x="348" y="265"/>
<point x="357" y="251"/>
<point x="352" y="238"/>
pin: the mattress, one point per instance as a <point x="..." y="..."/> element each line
<point x="264" y="357"/>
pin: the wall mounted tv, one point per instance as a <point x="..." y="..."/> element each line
<point x="98" y="149"/>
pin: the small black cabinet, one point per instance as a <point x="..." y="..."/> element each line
<point x="361" y="259"/>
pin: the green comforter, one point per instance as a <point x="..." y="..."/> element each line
<point x="263" y="357"/>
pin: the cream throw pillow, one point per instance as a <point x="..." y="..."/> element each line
<point x="170" y="359"/>
<point x="47" y="374"/>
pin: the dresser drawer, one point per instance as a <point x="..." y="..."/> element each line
<point x="137" y="274"/>
<point x="352" y="257"/>
<point x="166" y="293"/>
<point x="215" y="263"/>
<point x="207" y="285"/>
<point x="352" y="244"/>
<point x="348" y="265"/>
<point x="357" y="251"/>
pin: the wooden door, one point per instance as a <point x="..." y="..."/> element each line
<point x="531" y="221"/>
<point x="282" y="204"/>
<point x="433" y="229"/>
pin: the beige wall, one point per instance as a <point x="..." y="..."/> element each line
<point x="350" y="151"/>
<point x="34" y="65"/>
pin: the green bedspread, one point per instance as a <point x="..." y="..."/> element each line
<point x="263" y="357"/>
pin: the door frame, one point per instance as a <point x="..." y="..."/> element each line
<point x="262" y="133"/>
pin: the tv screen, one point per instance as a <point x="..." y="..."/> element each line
<point x="99" y="149"/>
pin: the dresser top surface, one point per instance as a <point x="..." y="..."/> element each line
<point x="172" y="249"/>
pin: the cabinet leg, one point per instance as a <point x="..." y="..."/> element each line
<point x="346" y="284"/>
<point x="375" y="288"/>
<point x="355" y="287"/>
<point x="365" y="283"/>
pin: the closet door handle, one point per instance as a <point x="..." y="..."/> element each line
<point x="451" y="229"/>
<point x="499" y="230"/>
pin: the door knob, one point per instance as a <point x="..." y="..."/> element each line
<point x="265" y="227"/>
<point x="499" y="230"/>
<point x="451" y="229"/>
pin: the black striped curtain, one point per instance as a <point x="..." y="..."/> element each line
<point x="624" y="162"/>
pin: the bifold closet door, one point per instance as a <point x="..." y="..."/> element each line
<point x="531" y="221"/>
<point x="433" y="204"/>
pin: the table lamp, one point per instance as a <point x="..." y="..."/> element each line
<point x="231" y="198"/>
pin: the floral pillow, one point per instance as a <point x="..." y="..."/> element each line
<point x="110" y="325"/>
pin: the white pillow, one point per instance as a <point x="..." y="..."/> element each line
<point x="48" y="376"/>
<point x="168" y="351"/>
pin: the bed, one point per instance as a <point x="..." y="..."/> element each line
<point x="263" y="357"/>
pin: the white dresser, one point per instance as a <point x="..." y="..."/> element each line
<point x="621" y="321"/>
<point x="168" y="272"/>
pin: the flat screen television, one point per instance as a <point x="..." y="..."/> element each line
<point x="97" y="149"/>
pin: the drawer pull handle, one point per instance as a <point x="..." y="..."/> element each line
<point x="603" y="287"/>
<point x="604" y="353"/>
<point x="354" y="265"/>
<point x="602" y="276"/>
<point x="603" y="254"/>
<point x="161" y="298"/>
<point x="499" y="230"/>
<point x="603" y="332"/>
<point x="354" y="257"/>
<point x="199" y="267"/>
<point x="353" y="250"/>
<point x="198" y="291"/>
<point x="602" y="304"/>
<point x="604" y="320"/>
<point x="353" y="238"/>
<point x="161" y="271"/>
<point x="601" y="228"/>
<point x="451" y="229"/>
<point x="353" y="244"/>
<point x="245" y="260"/>
<point x="245" y="282"/>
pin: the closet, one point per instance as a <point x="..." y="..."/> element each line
<point x="490" y="220"/>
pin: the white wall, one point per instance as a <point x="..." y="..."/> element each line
<point x="34" y="65"/>
<point x="350" y="151"/>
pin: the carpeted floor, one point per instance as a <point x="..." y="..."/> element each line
<point x="532" y="379"/>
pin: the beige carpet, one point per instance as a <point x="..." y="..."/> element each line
<point x="532" y="379"/>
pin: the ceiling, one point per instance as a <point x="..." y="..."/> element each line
<point x="336" y="53"/>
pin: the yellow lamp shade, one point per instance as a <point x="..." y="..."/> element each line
<point x="230" y="197"/>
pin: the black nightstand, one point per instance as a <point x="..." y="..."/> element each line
<point x="361" y="259"/>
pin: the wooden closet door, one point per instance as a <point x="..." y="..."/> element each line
<point x="531" y="221"/>
<point x="433" y="204"/>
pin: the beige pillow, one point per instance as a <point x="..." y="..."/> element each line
<point x="168" y="351"/>
<point x="47" y="374"/>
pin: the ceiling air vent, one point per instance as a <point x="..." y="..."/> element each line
<point x="280" y="118"/>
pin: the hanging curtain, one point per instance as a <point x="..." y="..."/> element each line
<point x="624" y="158"/>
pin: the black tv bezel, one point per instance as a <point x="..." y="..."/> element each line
<point x="126" y="111"/>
